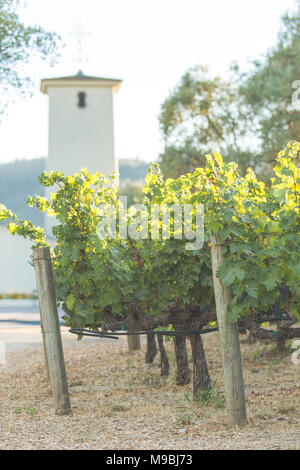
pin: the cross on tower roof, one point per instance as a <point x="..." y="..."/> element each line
<point x="79" y="33"/>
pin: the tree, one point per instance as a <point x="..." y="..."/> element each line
<point x="248" y="120"/>
<point x="17" y="45"/>
<point x="200" y="115"/>
<point x="266" y="94"/>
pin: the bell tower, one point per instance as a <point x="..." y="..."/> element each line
<point x="81" y="127"/>
<point x="81" y="124"/>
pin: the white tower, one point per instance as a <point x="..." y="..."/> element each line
<point x="81" y="128"/>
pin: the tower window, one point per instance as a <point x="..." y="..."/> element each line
<point x="81" y="99"/>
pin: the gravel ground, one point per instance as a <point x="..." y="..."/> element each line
<point x="119" y="402"/>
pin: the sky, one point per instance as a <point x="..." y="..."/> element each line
<point x="149" y="44"/>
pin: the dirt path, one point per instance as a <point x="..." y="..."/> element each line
<point x="119" y="402"/>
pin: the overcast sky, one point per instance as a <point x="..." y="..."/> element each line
<point x="147" y="43"/>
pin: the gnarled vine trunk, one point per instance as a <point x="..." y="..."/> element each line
<point x="201" y="378"/>
<point x="164" y="362"/>
<point x="183" y="373"/>
<point x="280" y="344"/>
<point x="151" y="350"/>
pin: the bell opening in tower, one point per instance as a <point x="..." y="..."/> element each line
<point x="81" y="99"/>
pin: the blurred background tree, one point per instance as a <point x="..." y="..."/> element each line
<point x="18" y="44"/>
<point x="248" y="118"/>
<point x="132" y="175"/>
<point x="266" y="93"/>
<point x="198" y="117"/>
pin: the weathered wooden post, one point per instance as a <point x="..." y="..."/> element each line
<point x="134" y="343"/>
<point x="230" y="344"/>
<point x="51" y="330"/>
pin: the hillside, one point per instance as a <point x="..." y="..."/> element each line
<point x="19" y="178"/>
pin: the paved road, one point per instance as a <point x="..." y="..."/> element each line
<point x="22" y="315"/>
<point x="20" y="325"/>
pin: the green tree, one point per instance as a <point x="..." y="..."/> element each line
<point x="248" y="120"/>
<point x="266" y="94"/>
<point x="200" y="115"/>
<point x="18" y="43"/>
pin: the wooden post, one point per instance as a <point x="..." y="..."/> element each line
<point x="134" y="343"/>
<point x="230" y="344"/>
<point x="51" y="330"/>
<point x="45" y="354"/>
